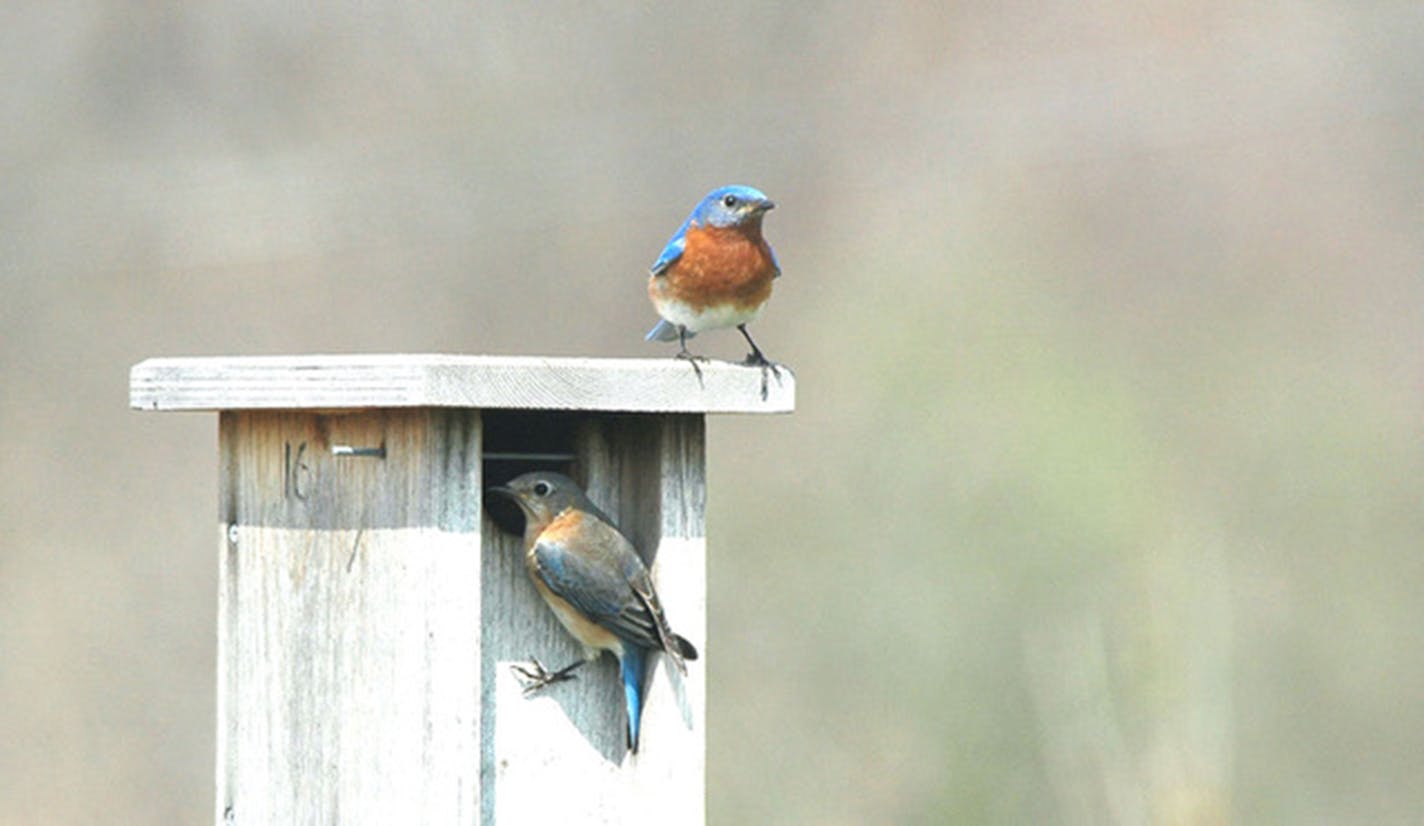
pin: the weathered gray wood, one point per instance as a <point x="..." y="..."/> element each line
<point x="560" y="757"/>
<point x="368" y="618"/>
<point x="349" y="619"/>
<point x="369" y="612"/>
<point x="424" y="380"/>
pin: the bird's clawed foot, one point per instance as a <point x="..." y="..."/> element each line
<point x="534" y="676"/>
<point x="688" y="356"/>
<point x="756" y="359"/>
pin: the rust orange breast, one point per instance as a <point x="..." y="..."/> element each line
<point x="722" y="266"/>
<point x="563" y="526"/>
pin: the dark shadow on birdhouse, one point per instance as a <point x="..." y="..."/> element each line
<point x="520" y="441"/>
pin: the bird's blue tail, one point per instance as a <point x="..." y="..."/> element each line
<point x="664" y="331"/>
<point x="632" y="666"/>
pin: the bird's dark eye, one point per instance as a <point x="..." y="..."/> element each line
<point x="542" y="488"/>
<point x="729" y="201"/>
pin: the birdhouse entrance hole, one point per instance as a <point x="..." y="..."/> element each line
<point x="621" y="459"/>
<point x="520" y="441"/>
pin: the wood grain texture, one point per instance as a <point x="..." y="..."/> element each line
<point x="369" y="613"/>
<point x="349" y="619"/>
<point x="560" y="757"/>
<point x="426" y="380"/>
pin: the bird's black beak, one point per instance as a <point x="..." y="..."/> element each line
<point x="501" y="490"/>
<point x="765" y="205"/>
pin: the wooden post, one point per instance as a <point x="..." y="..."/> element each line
<point x="369" y="607"/>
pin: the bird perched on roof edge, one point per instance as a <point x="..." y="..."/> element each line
<point x="715" y="272"/>
<point x="595" y="583"/>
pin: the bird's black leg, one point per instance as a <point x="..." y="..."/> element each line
<point x="684" y="353"/>
<point x="757" y="359"/>
<point x="535" y="676"/>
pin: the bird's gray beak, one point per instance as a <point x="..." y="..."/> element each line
<point x="766" y="205"/>
<point x="508" y="494"/>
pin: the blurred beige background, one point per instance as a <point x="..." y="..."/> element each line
<point x="1102" y="501"/>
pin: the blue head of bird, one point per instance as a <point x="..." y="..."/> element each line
<point x="732" y="206"/>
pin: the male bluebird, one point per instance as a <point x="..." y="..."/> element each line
<point x="715" y="272"/>
<point x="596" y="584"/>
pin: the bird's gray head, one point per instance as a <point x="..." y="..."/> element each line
<point x="543" y="494"/>
<point x="731" y="206"/>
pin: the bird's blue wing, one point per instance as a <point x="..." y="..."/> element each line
<point x="776" y="265"/>
<point x="673" y="250"/>
<point x="599" y="578"/>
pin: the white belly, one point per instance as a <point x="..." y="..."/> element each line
<point x="710" y="318"/>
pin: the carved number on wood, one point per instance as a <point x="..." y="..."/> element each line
<point x="292" y="470"/>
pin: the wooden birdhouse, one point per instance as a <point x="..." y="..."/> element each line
<point x="371" y="600"/>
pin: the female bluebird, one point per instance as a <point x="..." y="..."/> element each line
<point x="596" y="584"/>
<point x="715" y="272"/>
